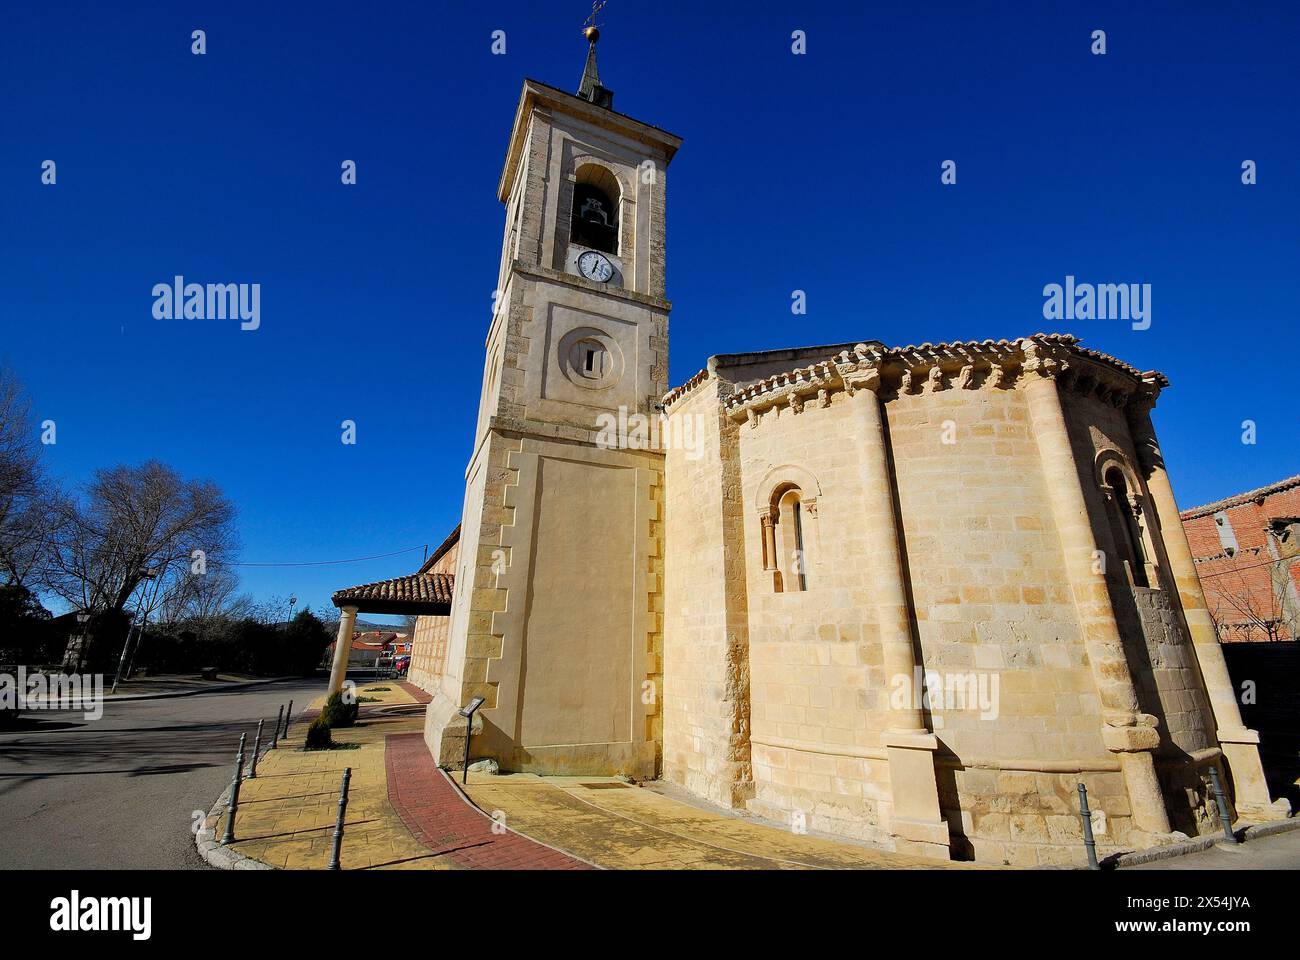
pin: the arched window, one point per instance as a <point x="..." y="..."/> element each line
<point x="793" y="558"/>
<point x="784" y="545"/>
<point x="593" y="221"/>
<point x="786" y="500"/>
<point x="1125" y="528"/>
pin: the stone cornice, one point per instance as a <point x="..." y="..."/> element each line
<point x="964" y="365"/>
<point x="795" y="389"/>
<point x="541" y="95"/>
<point x="675" y="394"/>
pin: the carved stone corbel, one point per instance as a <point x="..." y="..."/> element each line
<point x="1042" y="360"/>
<point x="859" y="370"/>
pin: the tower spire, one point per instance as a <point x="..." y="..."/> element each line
<point x="591" y="88"/>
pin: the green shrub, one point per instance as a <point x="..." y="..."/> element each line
<point x="318" y="735"/>
<point x="338" y="713"/>
<point x="232" y="645"/>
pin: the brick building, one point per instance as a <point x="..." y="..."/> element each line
<point x="1247" y="553"/>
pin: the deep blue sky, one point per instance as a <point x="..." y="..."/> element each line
<point x="817" y="172"/>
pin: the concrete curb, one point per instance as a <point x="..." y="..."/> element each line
<point x="1163" y="853"/>
<point x="223" y="858"/>
<point x="193" y="692"/>
<point x="1201" y="843"/>
<point x="1275" y="826"/>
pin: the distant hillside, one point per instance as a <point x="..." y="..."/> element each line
<point x="365" y="626"/>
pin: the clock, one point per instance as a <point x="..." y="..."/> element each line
<point x="595" y="266"/>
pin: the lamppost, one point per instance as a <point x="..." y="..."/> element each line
<point x="79" y="647"/>
<point x="292" y="601"/>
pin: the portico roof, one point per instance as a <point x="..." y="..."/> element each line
<point x="428" y="593"/>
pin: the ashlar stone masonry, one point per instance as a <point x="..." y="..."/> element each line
<point x="912" y="595"/>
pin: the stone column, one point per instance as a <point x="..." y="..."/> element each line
<point x="917" y="824"/>
<point x="342" y="649"/>
<point x="1240" y="745"/>
<point x="1126" y="731"/>
<point x="768" y="526"/>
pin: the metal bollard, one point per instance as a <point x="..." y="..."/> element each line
<point x="1085" y="815"/>
<point x="288" y="718"/>
<point x="338" y="823"/>
<point x="233" y="806"/>
<point x="1223" y="804"/>
<point x="278" y="717"/>
<point x="257" y="745"/>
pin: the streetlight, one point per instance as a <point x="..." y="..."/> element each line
<point x="80" y="647"/>
<point x="292" y="601"/>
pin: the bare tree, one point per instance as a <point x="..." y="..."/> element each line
<point x="131" y="522"/>
<point x="202" y="600"/>
<point x="1243" y="612"/>
<point x="270" y="611"/>
<point x="25" y="521"/>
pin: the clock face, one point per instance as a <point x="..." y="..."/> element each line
<point x="595" y="266"/>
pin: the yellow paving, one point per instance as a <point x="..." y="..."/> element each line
<point x="286" y="815"/>
<point x="385" y="692"/>
<point x="615" y="825"/>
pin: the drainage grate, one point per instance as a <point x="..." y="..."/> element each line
<point x="604" y="786"/>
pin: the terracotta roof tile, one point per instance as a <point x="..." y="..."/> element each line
<point x="1228" y="503"/>
<point x="416" y="588"/>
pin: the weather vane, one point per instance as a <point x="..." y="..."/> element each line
<point x="592" y="30"/>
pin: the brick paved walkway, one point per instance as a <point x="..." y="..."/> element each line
<point x="405" y="814"/>
<point x="419" y="695"/>
<point x="440" y="818"/>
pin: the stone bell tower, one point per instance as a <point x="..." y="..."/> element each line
<point x="556" y="619"/>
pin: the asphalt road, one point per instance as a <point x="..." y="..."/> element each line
<point x="121" y="791"/>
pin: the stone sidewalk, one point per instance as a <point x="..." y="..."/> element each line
<point x="438" y="816"/>
<point x="406" y="814"/>
<point x="639" y="827"/>
<point x="1279" y="850"/>
<point x="403" y="813"/>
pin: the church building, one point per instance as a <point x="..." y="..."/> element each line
<point x="910" y="595"/>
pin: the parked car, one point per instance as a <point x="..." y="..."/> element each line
<point x="402" y="663"/>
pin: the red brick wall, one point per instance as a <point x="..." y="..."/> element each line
<point x="1252" y="580"/>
